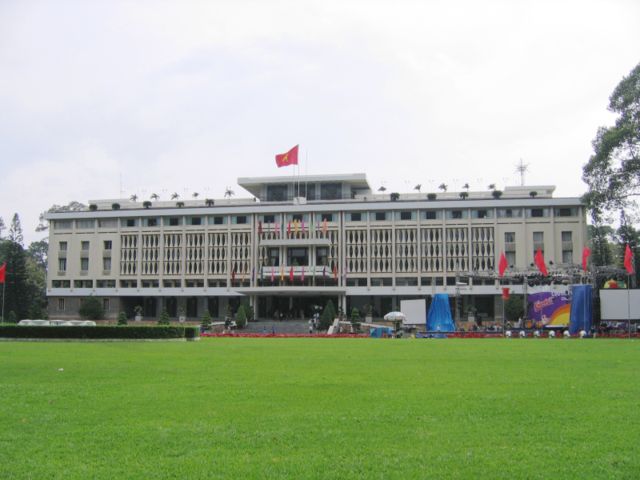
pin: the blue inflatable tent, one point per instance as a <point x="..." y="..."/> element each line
<point x="439" y="316"/>
<point x="581" y="309"/>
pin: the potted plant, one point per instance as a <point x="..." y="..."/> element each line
<point x="496" y="194"/>
<point x="138" y="310"/>
<point x="146" y="204"/>
<point x="93" y="207"/>
<point x="464" y="195"/>
<point x="209" y="202"/>
<point x="115" y="206"/>
<point x="431" y="196"/>
<point x="355" y="320"/>
<point x="179" y="204"/>
<point x="164" y="317"/>
<point x="182" y="315"/>
<point x="122" y="318"/>
<point x="533" y="194"/>
<point x="394" y="196"/>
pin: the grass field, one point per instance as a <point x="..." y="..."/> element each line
<point x="320" y="408"/>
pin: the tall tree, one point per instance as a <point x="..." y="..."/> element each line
<point x="600" y="237"/>
<point x="16" y="280"/>
<point x="15" y="230"/>
<point x="613" y="171"/>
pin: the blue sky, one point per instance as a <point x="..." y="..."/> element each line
<point x="108" y="99"/>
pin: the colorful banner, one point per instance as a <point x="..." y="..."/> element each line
<point x="549" y="309"/>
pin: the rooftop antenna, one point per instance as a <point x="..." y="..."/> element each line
<point x="522" y="168"/>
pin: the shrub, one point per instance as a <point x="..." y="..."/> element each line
<point x="93" y="207"/>
<point x="115" y="206"/>
<point x="100" y="332"/>
<point x="496" y="194"/>
<point x="146" y="204"/>
<point x="91" y="309"/>
<point x="431" y="196"/>
<point x="355" y="319"/>
<point x="328" y="314"/>
<point x="164" y="317"/>
<point x="394" y="196"/>
<point x="464" y="195"/>
<point x="12" y="317"/>
<point x="241" y="317"/>
<point x="513" y="308"/>
<point x="206" y="319"/>
<point x="122" y="318"/>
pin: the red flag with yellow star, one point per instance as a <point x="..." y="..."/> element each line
<point x="289" y="158"/>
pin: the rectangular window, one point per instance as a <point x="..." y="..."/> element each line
<point x="509" y="213"/>
<point x="297" y="256"/>
<point x="538" y="242"/>
<point x="128" y="284"/>
<point x="455" y="214"/>
<point x="105" y="304"/>
<point x="84" y="246"/>
<point x="62" y="264"/>
<point x="511" y="258"/>
<point x="84" y="264"/>
<point x="322" y="254"/>
<point x="63" y="246"/>
<point x="406" y="215"/>
<point x="537" y="212"/>
<point x="107" y="244"/>
<point x="330" y="191"/>
<point x="61" y="283"/>
<point x="61" y="304"/>
<point x="355" y="217"/>
<point x="567" y="247"/>
<point x="269" y="219"/>
<point x="85" y="224"/>
<point x="277" y="193"/>
<point x="106" y="264"/>
<point x="196" y="221"/>
<point x="567" y="256"/>
<point x="150" y="222"/>
<point x="484" y="213"/>
<point x="105" y="283"/>
<point x="128" y="222"/>
<point x="431" y="214"/>
<point x="62" y="225"/>
<point x="380" y="216"/>
<point x="274" y="256"/>
<point x="108" y="223"/>
<point x="326" y="216"/>
<point x="172" y="221"/>
<point x="566" y="212"/>
<point x="509" y="237"/>
<point x="218" y="220"/>
<point x="241" y="219"/>
<point x="83" y="284"/>
<point x="567" y="237"/>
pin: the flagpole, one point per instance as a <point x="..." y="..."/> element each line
<point x="4" y="284"/>
<point x="629" y="303"/>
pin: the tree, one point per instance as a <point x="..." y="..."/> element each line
<point x="355" y="319"/>
<point x="91" y="308"/>
<point x="36" y="268"/>
<point x="164" y="317"/>
<point x="206" y="319"/>
<point x="612" y="174"/>
<point x="2" y="226"/>
<point x="122" y="319"/>
<point x="241" y="317"/>
<point x="600" y="237"/>
<point x="15" y="230"/>
<point x="328" y="314"/>
<point x="513" y="308"/>
<point x="73" y="206"/>
<point x="17" y="291"/>
<point x="38" y="251"/>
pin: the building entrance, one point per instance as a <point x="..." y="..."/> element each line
<point x="293" y="307"/>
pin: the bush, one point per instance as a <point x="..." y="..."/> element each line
<point x="12" y="317"/>
<point x="164" y="317"/>
<point x="328" y="314"/>
<point x="241" y="317"/>
<point x="122" y="318"/>
<point x="513" y="308"/>
<point x="206" y="319"/>
<point x="91" y="309"/>
<point x="101" y="332"/>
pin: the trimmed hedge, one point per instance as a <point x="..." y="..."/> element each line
<point x="99" y="332"/>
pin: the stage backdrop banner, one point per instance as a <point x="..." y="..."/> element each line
<point x="549" y="308"/>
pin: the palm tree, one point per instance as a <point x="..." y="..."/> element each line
<point x="533" y="194"/>
<point x="133" y="198"/>
<point x="464" y="195"/>
<point x="209" y="202"/>
<point x="228" y="193"/>
<point x="443" y="187"/>
<point x="492" y="186"/>
<point x="175" y="196"/>
<point x="466" y="186"/>
<point x="382" y="189"/>
<point x="195" y="194"/>
<point x="418" y="187"/>
<point x="154" y="196"/>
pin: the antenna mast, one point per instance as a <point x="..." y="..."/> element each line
<point x="522" y="168"/>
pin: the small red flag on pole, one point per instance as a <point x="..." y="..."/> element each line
<point x="628" y="259"/>
<point x="3" y="272"/>
<point x="289" y="158"/>
<point x="539" y="259"/>
<point x="502" y="265"/>
<point x="291" y="274"/>
<point x="505" y="293"/>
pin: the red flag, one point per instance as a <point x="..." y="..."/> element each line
<point x="291" y="274"/>
<point x="628" y="259"/>
<point x="539" y="259"/>
<point x="3" y="272"/>
<point x="335" y="271"/>
<point x="289" y="228"/>
<point x="289" y="158"/>
<point x="505" y="293"/>
<point x="586" y="252"/>
<point x="273" y="274"/>
<point x="502" y="265"/>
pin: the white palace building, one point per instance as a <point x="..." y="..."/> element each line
<point x="299" y="241"/>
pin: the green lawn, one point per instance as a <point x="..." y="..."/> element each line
<point x="321" y="408"/>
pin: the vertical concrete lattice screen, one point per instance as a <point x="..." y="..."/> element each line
<point x="482" y="249"/>
<point x="129" y="254"/>
<point x="431" y="249"/>
<point x="356" y="251"/>
<point x="172" y="254"/>
<point x="194" y="264"/>
<point x="381" y="250"/>
<point x="456" y="245"/>
<point x="406" y="250"/>
<point x="240" y="252"/>
<point x="217" y="244"/>
<point x="150" y="254"/>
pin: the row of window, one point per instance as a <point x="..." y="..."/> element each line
<point x="168" y="283"/>
<point x="406" y="215"/>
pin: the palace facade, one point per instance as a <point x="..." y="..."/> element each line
<point x="299" y="241"/>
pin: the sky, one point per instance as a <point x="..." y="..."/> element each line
<point x="105" y="99"/>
